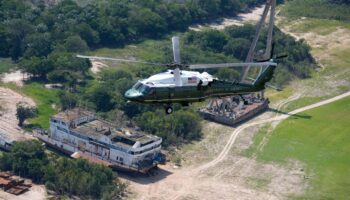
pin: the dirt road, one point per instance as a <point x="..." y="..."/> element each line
<point x="226" y="175"/>
<point x="8" y="121"/>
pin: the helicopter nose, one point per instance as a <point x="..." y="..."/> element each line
<point x="133" y="95"/>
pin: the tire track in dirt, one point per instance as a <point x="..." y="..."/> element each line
<point x="236" y="132"/>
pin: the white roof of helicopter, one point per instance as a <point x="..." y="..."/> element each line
<point x="188" y="78"/>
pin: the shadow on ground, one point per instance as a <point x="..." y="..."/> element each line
<point x="153" y="176"/>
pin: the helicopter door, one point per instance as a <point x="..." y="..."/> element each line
<point x="171" y="92"/>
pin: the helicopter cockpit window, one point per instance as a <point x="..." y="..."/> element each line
<point x="137" y="85"/>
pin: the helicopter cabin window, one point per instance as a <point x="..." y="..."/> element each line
<point x="137" y="85"/>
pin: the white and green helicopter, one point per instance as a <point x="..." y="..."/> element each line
<point x="181" y="86"/>
<point x="178" y="85"/>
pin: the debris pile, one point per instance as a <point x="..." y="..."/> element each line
<point x="233" y="110"/>
<point x="14" y="184"/>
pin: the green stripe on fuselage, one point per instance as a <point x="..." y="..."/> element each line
<point x="198" y="93"/>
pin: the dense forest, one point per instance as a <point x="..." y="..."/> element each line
<point x="62" y="175"/>
<point x="43" y="39"/>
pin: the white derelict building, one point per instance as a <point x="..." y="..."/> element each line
<point x="81" y="134"/>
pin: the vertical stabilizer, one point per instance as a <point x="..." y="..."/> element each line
<point x="265" y="76"/>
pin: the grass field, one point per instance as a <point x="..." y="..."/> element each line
<point x="44" y="98"/>
<point x="322" y="142"/>
<point x="320" y="9"/>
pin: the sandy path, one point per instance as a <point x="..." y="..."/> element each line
<point x="253" y="16"/>
<point x="8" y="122"/>
<point x="97" y="66"/>
<point x="234" y="135"/>
<point x="223" y="154"/>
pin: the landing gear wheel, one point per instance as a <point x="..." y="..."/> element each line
<point x="169" y="110"/>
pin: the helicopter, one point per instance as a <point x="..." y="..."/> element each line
<point x="177" y="85"/>
<point x="180" y="85"/>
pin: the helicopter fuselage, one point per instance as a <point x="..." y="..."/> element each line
<point x="188" y="94"/>
<point x="195" y="87"/>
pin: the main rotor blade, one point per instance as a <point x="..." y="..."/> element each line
<point x="221" y="65"/>
<point x="119" y="60"/>
<point x="176" y="49"/>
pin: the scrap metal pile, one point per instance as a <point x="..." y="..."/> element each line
<point x="232" y="111"/>
<point x="13" y="184"/>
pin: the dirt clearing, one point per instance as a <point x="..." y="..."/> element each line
<point x="37" y="192"/>
<point x="253" y="16"/>
<point x="16" y="77"/>
<point x="8" y="121"/>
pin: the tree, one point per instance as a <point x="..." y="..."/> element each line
<point x="75" y="44"/>
<point x="38" y="45"/>
<point x="145" y="22"/>
<point x="67" y="100"/>
<point x="24" y="112"/>
<point x="238" y="47"/>
<point x="26" y="159"/>
<point x="17" y="30"/>
<point x="36" y="66"/>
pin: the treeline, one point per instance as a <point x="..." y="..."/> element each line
<point x="44" y="39"/>
<point x="235" y="42"/>
<point x="322" y="9"/>
<point x="64" y="176"/>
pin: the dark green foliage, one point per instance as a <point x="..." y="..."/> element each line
<point x="181" y="125"/>
<point x="235" y="42"/>
<point x="68" y="100"/>
<point x="78" y="177"/>
<point x="26" y="159"/>
<point x="36" y="32"/>
<point x="24" y="112"/>
<point x="62" y="175"/>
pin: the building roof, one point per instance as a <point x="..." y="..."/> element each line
<point x="72" y="114"/>
<point x="97" y="129"/>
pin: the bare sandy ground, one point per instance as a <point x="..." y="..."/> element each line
<point x="37" y="192"/>
<point x="97" y="66"/>
<point x="15" y="77"/>
<point x="8" y="121"/>
<point x="242" y="18"/>
<point x="329" y="51"/>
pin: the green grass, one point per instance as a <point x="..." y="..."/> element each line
<point x="148" y="50"/>
<point x="258" y="138"/>
<point x="322" y="142"/>
<point x="320" y="9"/>
<point x="6" y="65"/>
<point x="44" y="99"/>
<point x="301" y="102"/>
<point x="320" y="26"/>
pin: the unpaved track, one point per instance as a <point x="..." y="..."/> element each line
<point x="8" y="120"/>
<point x="197" y="171"/>
<point x="234" y="135"/>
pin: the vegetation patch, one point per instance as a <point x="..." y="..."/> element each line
<point x="321" y="141"/>
<point x="46" y="101"/>
<point x="6" y="65"/>
<point x="62" y="175"/>
<point x="320" y="26"/>
<point x="322" y="9"/>
<point x="303" y="101"/>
